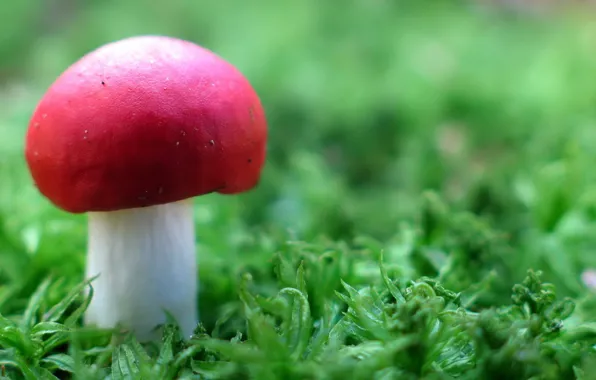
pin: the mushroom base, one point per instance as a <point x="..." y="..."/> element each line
<point x="146" y="262"/>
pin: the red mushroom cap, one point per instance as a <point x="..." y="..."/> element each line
<point x="144" y="121"/>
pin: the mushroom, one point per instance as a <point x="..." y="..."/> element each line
<point x="129" y="134"/>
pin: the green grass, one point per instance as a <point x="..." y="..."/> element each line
<point x="427" y="208"/>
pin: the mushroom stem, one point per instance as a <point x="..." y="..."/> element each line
<point x="146" y="261"/>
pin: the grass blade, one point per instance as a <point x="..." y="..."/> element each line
<point x="299" y="328"/>
<point x="78" y="313"/>
<point x="48" y="328"/>
<point x="35" y="304"/>
<point x="394" y="290"/>
<point x="62" y="362"/>
<point x="166" y="354"/>
<point x="56" y="312"/>
<point x="123" y="363"/>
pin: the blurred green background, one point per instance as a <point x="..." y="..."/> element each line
<point x="370" y="103"/>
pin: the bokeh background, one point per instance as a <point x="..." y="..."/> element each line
<point x="371" y="103"/>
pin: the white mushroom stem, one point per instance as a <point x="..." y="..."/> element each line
<point x="146" y="262"/>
